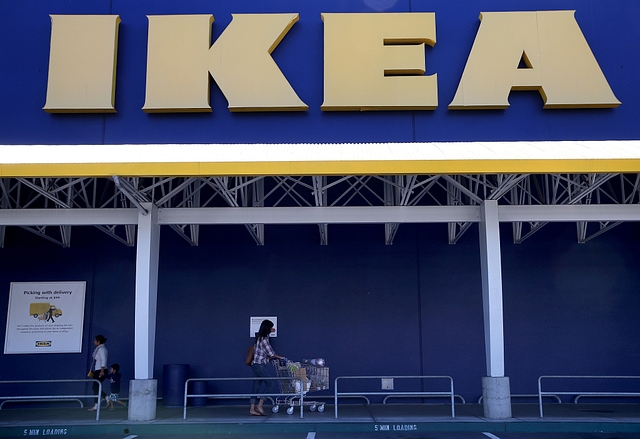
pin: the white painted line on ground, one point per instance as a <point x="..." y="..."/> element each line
<point x="131" y="437"/>
<point x="311" y="435"/>
<point x="490" y="435"/>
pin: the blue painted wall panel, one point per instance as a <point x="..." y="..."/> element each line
<point x="414" y="307"/>
<point x="609" y="28"/>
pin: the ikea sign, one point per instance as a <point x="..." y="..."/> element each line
<point x="372" y="61"/>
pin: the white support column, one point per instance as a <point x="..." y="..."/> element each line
<point x="495" y="387"/>
<point x="143" y="390"/>
<point x="146" y="291"/>
<point x="492" y="287"/>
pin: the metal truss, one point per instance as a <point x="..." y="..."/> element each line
<point x="34" y="194"/>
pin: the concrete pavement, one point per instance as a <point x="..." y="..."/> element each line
<point x="216" y="419"/>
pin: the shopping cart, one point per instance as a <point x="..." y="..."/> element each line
<point x="312" y="377"/>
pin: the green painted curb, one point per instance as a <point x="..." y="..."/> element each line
<point x="345" y="427"/>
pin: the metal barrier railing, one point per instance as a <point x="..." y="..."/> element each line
<point x="57" y="396"/>
<point x="368" y="401"/>
<point x="411" y="395"/>
<point x="384" y="401"/>
<point x="606" y="395"/>
<point x="541" y="393"/>
<point x="300" y="394"/>
<point x="530" y="396"/>
<point x="12" y="401"/>
<point x="450" y="393"/>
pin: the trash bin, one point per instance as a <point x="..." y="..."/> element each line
<point x="173" y="378"/>
<point x="198" y="387"/>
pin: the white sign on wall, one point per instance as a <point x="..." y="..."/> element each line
<point x="254" y="325"/>
<point x="45" y="317"/>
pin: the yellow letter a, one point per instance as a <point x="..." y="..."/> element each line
<point x="561" y="65"/>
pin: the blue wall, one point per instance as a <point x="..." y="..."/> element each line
<point x="609" y="27"/>
<point x="413" y="307"/>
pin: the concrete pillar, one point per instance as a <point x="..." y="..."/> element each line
<point x="496" y="392"/>
<point x="143" y="395"/>
<point x="496" y="397"/>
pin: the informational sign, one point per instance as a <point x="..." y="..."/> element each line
<point x="45" y="317"/>
<point x="254" y="325"/>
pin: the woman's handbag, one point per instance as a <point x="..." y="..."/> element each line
<point x="249" y="357"/>
<point x="91" y="374"/>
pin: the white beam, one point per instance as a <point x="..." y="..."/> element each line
<point x="67" y="217"/>
<point x="572" y="213"/>
<point x="318" y="215"/>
